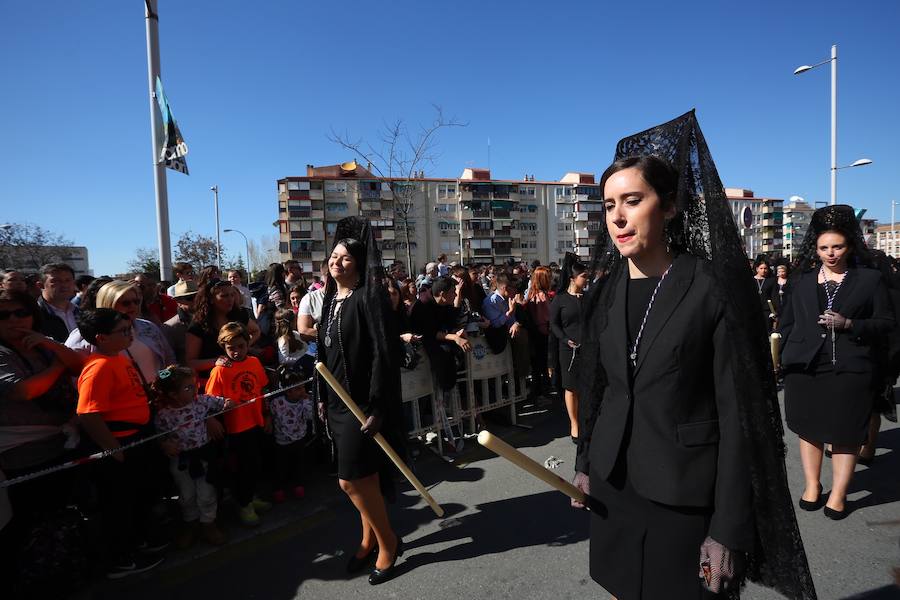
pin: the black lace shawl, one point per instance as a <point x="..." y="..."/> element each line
<point x="705" y="228"/>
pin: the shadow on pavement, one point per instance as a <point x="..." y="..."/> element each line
<point x="888" y="592"/>
<point x="499" y="527"/>
<point x="880" y="478"/>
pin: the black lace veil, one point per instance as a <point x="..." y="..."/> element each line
<point x="840" y="218"/>
<point x="704" y="227"/>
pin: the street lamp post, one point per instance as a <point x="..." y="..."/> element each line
<point x="246" y="246"/>
<point x="215" y="191"/>
<point x="834" y="167"/>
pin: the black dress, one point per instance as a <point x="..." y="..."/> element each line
<point x="830" y="401"/>
<point x="565" y="325"/>
<point x="353" y="361"/>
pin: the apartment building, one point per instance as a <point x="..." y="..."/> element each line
<point x="760" y="222"/>
<point x="887" y="239"/>
<point x="797" y="214"/>
<point x="472" y="218"/>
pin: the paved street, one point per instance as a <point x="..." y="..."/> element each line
<point x="504" y="536"/>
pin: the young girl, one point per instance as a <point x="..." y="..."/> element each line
<point x="241" y="378"/>
<point x="184" y="412"/>
<point x="291" y="413"/>
<point x="291" y="348"/>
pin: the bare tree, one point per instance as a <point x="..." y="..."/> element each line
<point x="29" y="246"/>
<point x="198" y="250"/>
<point x="398" y="159"/>
<point x="263" y="253"/>
<point x="146" y="260"/>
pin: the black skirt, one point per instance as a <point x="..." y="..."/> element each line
<point x="567" y="376"/>
<point x="827" y="407"/>
<point x="358" y="455"/>
<point x="642" y="549"/>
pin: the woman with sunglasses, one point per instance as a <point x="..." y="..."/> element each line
<point x="38" y="401"/>
<point x="150" y="350"/>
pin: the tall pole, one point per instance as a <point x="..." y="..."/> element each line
<point x="246" y="247"/>
<point x="834" y="124"/>
<point x="159" y="169"/>
<point x="215" y="190"/>
<point x="893" y="245"/>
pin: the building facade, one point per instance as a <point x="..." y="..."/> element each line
<point x="760" y="222"/>
<point x="887" y="239"/>
<point x="472" y="218"/>
<point x="797" y="214"/>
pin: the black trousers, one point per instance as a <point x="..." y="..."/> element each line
<point x="126" y="491"/>
<point x="289" y="465"/>
<point x="540" y="381"/>
<point x="245" y="448"/>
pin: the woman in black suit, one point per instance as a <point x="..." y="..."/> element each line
<point x="565" y="325"/>
<point x="358" y="342"/>
<point x="679" y="450"/>
<point x="836" y="311"/>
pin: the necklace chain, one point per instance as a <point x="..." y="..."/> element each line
<point x="829" y="302"/>
<point x="637" y="340"/>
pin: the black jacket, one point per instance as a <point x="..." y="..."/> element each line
<point x="686" y="445"/>
<point x="51" y="325"/>
<point x="863" y="297"/>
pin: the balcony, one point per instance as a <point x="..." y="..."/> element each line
<point x="475" y="214"/>
<point x="481" y="252"/>
<point x="316" y="194"/>
<point x="318" y="234"/>
<point x="477" y="234"/>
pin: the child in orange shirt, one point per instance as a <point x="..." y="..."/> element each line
<point x="241" y="378"/>
<point x="113" y="410"/>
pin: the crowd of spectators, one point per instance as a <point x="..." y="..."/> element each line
<point x="90" y="364"/>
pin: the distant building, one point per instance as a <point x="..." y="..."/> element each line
<point x="759" y="222"/>
<point x="887" y="239"/>
<point x="795" y="223"/>
<point x="471" y="219"/>
<point x="30" y="260"/>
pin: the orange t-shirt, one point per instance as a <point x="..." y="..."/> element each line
<point x="240" y="382"/>
<point x="111" y="387"/>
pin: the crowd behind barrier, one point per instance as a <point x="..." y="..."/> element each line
<point x="121" y="393"/>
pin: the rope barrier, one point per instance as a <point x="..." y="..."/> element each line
<point x="105" y="453"/>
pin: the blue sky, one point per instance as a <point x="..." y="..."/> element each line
<point x="256" y="87"/>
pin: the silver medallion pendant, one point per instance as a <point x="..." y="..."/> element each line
<point x="328" y="341"/>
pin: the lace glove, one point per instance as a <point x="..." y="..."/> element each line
<point x="717" y="566"/>
<point x="583" y="483"/>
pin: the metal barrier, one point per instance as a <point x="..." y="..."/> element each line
<point x="487" y="382"/>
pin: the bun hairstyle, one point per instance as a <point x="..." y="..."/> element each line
<point x="167" y="383"/>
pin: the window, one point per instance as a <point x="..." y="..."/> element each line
<point x="293" y="186"/>
<point x="338" y="207"/>
<point x="526" y="190"/>
<point x="336" y="186"/>
<point x="445" y="208"/>
<point x="282" y="187"/>
<point x="330" y="228"/>
<point x="446" y="190"/>
<point x="562" y="192"/>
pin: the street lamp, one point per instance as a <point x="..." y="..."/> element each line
<point x="834" y="167"/>
<point x="215" y="190"/>
<point x="246" y="246"/>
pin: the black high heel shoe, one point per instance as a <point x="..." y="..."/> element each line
<point x="355" y="565"/>
<point x="379" y="576"/>
<point x="836" y="515"/>
<point x="811" y="505"/>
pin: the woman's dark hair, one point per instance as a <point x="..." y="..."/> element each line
<point x="658" y="174"/>
<point x="275" y="276"/>
<point x="100" y="321"/>
<point x="27" y="302"/>
<point x="285" y="325"/>
<point x="760" y="260"/>
<point x="358" y="251"/>
<point x="299" y="288"/>
<point x="89" y="297"/>
<point x="203" y="304"/>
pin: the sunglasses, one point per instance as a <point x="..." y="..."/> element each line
<point x="19" y="313"/>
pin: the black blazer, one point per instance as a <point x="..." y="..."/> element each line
<point x="687" y="445"/>
<point x="565" y="317"/>
<point x="862" y="297"/>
